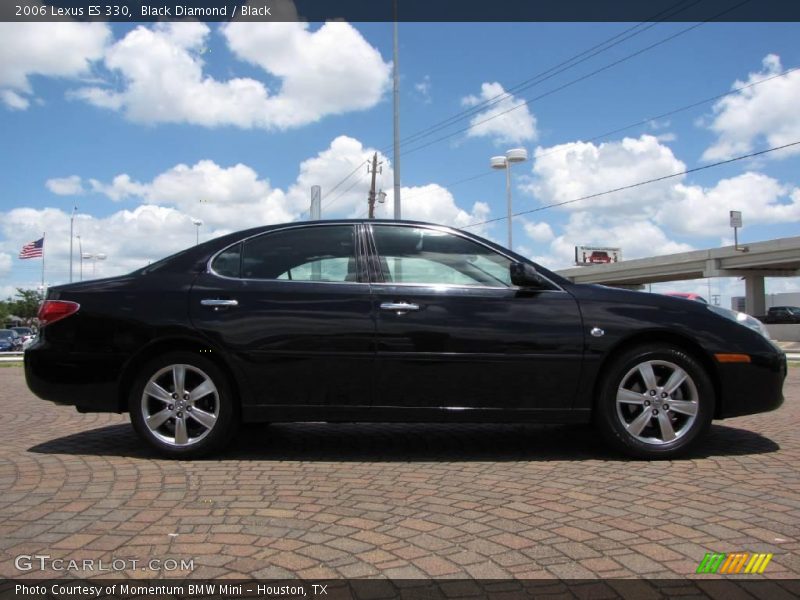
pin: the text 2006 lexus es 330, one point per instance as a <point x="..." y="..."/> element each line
<point x="391" y="321"/>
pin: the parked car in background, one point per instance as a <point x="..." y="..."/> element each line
<point x="374" y="321"/>
<point x="10" y="341"/>
<point x="687" y="296"/>
<point x="26" y="334"/>
<point x="782" y="315"/>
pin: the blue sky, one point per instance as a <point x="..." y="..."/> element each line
<point x="137" y="124"/>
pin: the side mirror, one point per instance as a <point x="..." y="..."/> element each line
<point x="526" y="276"/>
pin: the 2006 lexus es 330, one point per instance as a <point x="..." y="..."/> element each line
<point x="391" y="321"/>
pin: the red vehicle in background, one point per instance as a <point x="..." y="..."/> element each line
<point x="599" y="256"/>
<point x="687" y="296"/>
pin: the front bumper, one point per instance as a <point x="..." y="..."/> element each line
<point x="754" y="387"/>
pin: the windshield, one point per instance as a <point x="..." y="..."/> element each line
<point x="6" y="335"/>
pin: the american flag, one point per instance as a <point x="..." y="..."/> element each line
<point x="33" y="249"/>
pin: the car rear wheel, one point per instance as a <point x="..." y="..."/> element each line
<point x="182" y="405"/>
<point x="655" y="402"/>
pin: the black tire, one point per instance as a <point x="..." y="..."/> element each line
<point x="637" y="421"/>
<point x="195" y="436"/>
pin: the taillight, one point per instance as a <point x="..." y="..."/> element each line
<point x="54" y="310"/>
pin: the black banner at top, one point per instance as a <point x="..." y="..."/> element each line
<point x="401" y="10"/>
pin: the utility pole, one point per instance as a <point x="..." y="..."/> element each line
<point x="371" y="198"/>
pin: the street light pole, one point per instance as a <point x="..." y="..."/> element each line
<point x="515" y="155"/>
<point x="509" y="208"/>
<point x="80" y="252"/>
<point x="71" y="226"/>
<point x="396" y="118"/>
<point x="197" y="223"/>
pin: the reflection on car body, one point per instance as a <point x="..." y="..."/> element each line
<point x="368" y="320"/>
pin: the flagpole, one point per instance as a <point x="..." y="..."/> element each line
<point x="43" y="234"/>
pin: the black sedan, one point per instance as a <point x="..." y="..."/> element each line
<point x="391" y="321"/>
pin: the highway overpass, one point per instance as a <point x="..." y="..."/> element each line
<point x="773" y="258"/>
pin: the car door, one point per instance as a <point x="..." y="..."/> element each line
<point x="293" y="308"/>
<point x="453" y="332"/>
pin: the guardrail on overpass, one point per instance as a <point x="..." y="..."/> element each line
<point x="774" y="258"/>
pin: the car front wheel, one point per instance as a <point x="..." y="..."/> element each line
<point x="182" y="405"/>
<point x="655" y="402"/>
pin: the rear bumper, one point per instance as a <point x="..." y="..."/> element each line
<point x="750" y="388"/>
<point x="87" y="382"/>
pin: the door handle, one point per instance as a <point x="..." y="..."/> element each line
<point x="399" y="307"/>
<point x="218" y="302"/>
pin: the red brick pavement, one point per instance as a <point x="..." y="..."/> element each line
<point x="404" y="501"/>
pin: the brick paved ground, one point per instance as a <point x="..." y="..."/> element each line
<point x="404" y="501"/>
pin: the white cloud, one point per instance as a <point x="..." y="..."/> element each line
<point x="423" y="89"/>
<point x="577" y="169"/>
<point x="700" y="211"/>
<point x="329" y="71"/>
<point x="539" y="232"/>
<point x="425" y="203"/>
<point x="341" y="171"/>
<point x="13" y="100"/>
<point x="436" y="204"/>
<point x="225" y="198"/>
<point x="65" y="186"/>
<point x="130" y="239"/>
<point x="638" y="237"/>
<point x="760" y="115"/>
<point x="644" y="219"/>
<point x="5" y="263"/>
<point x="511" y="120"/>
<point x="64" y="49"/>
<point x="120" y="188"/>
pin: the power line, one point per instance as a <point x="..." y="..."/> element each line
<point x="574" y="81"/>
<point x="334" y="188"/>
<point x="635" y="185"/>
<point x="354" y="184"/>
<point x="546" y="74"/>
<point x="626" y="127"/>
<point x="681" y="109"/>
<point x="348" y="176"/>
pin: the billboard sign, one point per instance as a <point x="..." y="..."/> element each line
<point x="596" y="255"/>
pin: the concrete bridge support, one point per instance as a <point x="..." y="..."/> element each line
<point x="754" y="298"/>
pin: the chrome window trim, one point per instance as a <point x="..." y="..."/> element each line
<point x="353" y="226"/>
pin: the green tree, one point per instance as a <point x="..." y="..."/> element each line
<point x="26" y="303"/>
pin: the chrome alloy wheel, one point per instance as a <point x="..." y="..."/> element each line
<point x="657" y="402"/>
<point x="180" y="405"/>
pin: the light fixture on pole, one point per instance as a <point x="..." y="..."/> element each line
<point x="197" y="223"/>
<point x="94" y="257"/>
<point x="515" y="155"/>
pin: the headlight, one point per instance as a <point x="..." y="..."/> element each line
<point x="741" y="318"/>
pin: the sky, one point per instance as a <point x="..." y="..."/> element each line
<point x="149" y="128"/>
